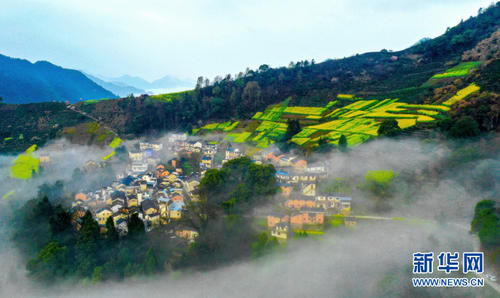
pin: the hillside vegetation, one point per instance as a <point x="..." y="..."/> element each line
<point x="410" y="75"/>
<point x="403" y="85"/>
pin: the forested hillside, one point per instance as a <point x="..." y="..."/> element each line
<point x="430" y="72"/>
<point x="380" y="75"/>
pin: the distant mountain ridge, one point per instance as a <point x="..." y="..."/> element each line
<point x="118" y="88"/>
<point x="24" y="82"/>
<point x="162" y="83"/>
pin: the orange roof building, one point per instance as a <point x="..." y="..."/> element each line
<point x="80" y="197"/>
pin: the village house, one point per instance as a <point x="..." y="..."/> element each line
<point x="163" y="206"/>
<point x="187" y="233"/>
<point x="346" y="205"/>
<point x="308" y="178"/>
<point x="161" y="171"/>
<point x="135" y="155"/>
<point x="143" y="186"/>
<point x="286" y="160"/>
<point x="232" y="153"/>
<point x="132" y="201"/>
<point x="192" y="146"/>
<point x="299" y="203"/>
<point x="174" y="138"/>
<point x="319" y="171"/>
<point x="44" y="159"/>
<point x="282" y="177"/>
<point x="80" y="199"/>
<point x="132" y="210"/>
<point x="300" y="165"/>
<point x="177" y="197"/>
<point x="308" y="189"/>
<point x="307" y="218"/>
<point x="122" y="226"/>
<point x="209" y="148"/>
<point x="276" y="218"/>
<point x="327" y="202"/>
<point x="274" y="157"/>
<point x="152" y="219"/>
<point x="286" y="189"/>
<point x="78" y="214"/>
<point x="149" y="207"/>
<point x="334" y="203"/>
<point x="175" y="210"/>
<point x="121" y="214"/>
<point x="139" y="167"/>
<point x="280" y="231"/>
<point x="192" y="188"/>
<point x="206" y="162"/>
<point x="116" y="207"/>
<point x="148" y="146"/>
<point x="102" y="215"/>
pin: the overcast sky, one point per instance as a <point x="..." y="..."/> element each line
<point x="153" y="38"/>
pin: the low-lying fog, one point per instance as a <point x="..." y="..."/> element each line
<point x="359" y="262"/>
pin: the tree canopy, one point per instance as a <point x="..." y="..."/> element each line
<point x="389" y="127"/>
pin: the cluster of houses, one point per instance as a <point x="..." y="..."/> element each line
<point x="160" y="192"/>
<point x="303" y="204"/>
<point x="206" y="149"/>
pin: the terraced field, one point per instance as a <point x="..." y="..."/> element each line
<point x="462" y="94"/>
<point x="25" y="164"/>
<point x="358" y="121"/>
<point x="463" y="69"/>
<point x="168" y="97"/>
<point x="226" y="127"/>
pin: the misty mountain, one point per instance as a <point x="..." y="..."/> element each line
<point x="129" y="80"/>
<point x="24" y="82"/>
<point x="120" y="89"/>
<point x="169" y="82"/>
<point x="165" y="82"/>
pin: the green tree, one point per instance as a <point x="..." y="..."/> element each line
<point x="136" y="227"/>
<point x="292" y="129"/>
<point x="111" y="232"/>
<point x="251" y="97"/>
<point x="129" y="270"/>
<point x="60" y="221"/>
<point x="486" y="223"/>
<point x="379" y="184"/>
<point x="264" y="244"/>
<point x="51" y="262"/>
<point x="189" y="129"/>
<point x="343" y="142"/>
<point x="389" y="127"/>
<point x="97" y="276"/>
<point x="465" y="127"/>
<point x="150" y="263"/>
<point x="87" y="246"/>
<point x="336" y="187"/>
